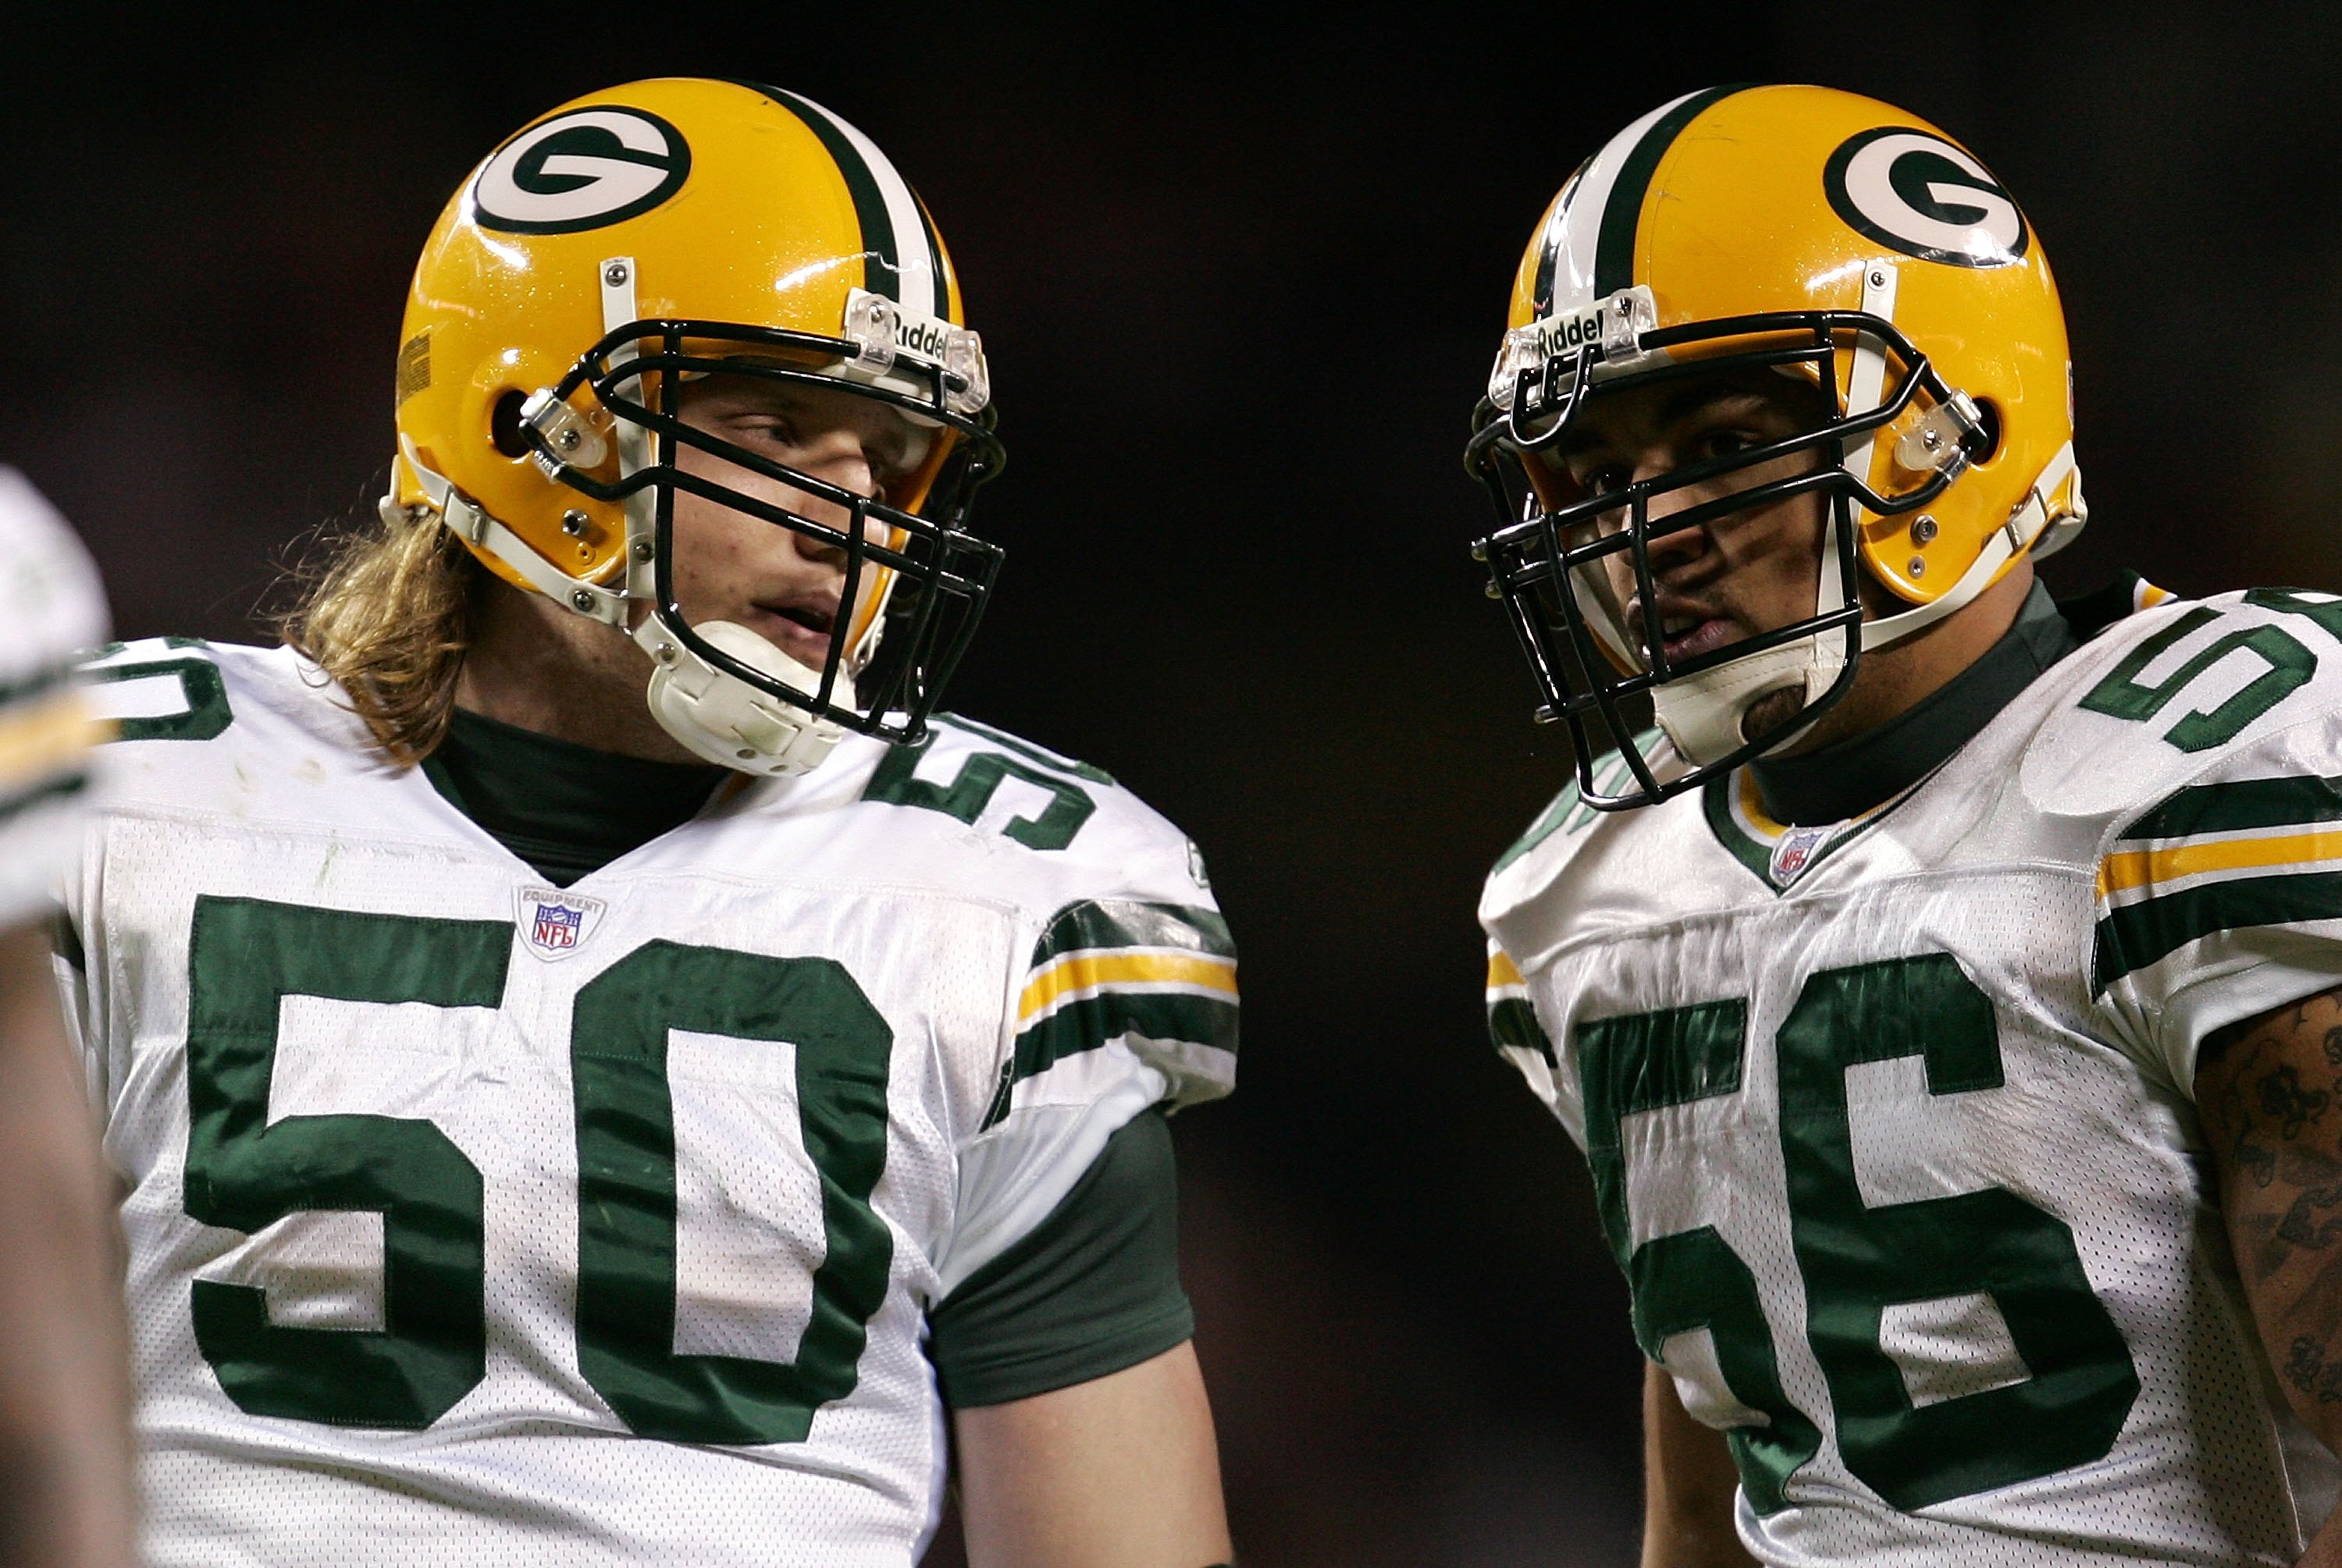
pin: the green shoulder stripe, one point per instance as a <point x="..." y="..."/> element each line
<point x="2137" y="935"/>
<point x="1112" y="923"/>
<point x="1512" y="1022"/>
<point x="1106" y="1015"/>
<point x="57" y="787"/>
<point x="2239" y="805"/>
<point x="1150" y="991"/>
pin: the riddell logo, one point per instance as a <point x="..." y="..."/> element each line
<point x="923" y="336"/>
<point x="1558" y="335"/>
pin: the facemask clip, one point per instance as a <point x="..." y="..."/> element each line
<point x="1944" y="441"/>
<point x="1627" y="315"/>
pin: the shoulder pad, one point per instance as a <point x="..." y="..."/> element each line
<point x="159" y="689"/>
<point x="2164" y="695"/>
<point x="985" y="777"/>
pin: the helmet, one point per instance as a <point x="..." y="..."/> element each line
<point x="1834" y="239"/>
<point x="631" y="242"/>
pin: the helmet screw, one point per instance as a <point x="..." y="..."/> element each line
<point x="643" y="551"/>
<point x="1923" y="530"/>
<point x="567" y="440"/>
<point x="1877" y="280"/>
<point x="573" y="523"/>
<point x="1918" y="568"/>
<point x="666" y="652"/>
<point x="582" y="600"/>
<point x="614" y="274"/>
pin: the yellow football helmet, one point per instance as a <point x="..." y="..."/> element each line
<point x="1837" y="239"/>
<point x="636" y="240"/>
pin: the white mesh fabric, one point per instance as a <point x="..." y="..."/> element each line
<point x="932" y="920"/>
<point x="1993" y="861"/>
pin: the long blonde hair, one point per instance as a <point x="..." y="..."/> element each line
<point x="385" y="609"/>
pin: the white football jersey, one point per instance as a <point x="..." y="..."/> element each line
<point x="1892" y="1125"/>
<point x="56" y="615"/>
<point x="475" y="1219"/>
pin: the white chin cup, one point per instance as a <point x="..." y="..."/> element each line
<point x="1702" y="713"/>
<point x="722" y="717"/>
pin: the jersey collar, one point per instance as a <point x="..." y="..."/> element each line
<point x="1857" y="776"/>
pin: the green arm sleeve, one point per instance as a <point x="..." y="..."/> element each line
<point x="1092" y="1290"/>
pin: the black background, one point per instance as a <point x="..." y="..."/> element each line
<point x="1239" y="279"/>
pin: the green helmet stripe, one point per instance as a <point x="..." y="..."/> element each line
<point x="882" y="266"/>
<point x="1614" y="247"/>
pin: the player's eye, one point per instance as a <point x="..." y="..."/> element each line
<point x="1726" y="443"/>
<point x="1601" y="478"/>
<point x="765" y="430"/>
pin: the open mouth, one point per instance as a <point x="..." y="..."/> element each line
<point x="1689" y="636"/>
<point x="1686" y="631"/>
<point x="799" y="628"/>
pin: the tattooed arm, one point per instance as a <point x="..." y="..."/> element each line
<point x="2270" y="1092"/>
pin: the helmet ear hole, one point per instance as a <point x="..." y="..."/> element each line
<point x="504" y="423"/>
<point x="1990" y="411"/>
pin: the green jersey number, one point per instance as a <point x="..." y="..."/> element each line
<point x="244" y="1172"/>
<point x="1858" y="1260"/>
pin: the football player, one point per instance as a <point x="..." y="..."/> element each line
<point x="65" y="1439"/>
<point x="1942" y="987"/>
<point x="604" y="1068"/>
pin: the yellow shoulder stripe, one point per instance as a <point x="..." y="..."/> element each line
<point x="2142" y="868"/>
<point x="46" y="738"/>
<point x="1502" y="970"/>
<point x="1086" y="971"/>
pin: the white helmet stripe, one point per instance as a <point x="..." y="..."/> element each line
<point x="904" y="247"/>
<point x="1566" y="266"/>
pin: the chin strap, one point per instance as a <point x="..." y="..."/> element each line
<point x="724" y="718"/>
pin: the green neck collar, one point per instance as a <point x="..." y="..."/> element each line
<point x="1843" y="780"/>
<point x="565" y="809"/>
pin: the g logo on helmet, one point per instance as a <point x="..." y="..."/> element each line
<point x="582" y="170"/>
<point x="1925" y="197"/>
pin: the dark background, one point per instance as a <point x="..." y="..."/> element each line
<point x="1240" y="280"/>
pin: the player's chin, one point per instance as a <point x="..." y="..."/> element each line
<point x="1773" y="710"/>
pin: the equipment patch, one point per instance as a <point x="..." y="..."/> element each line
<point x="582" y="170"/>
<point x="1925" y="197"/>
<point x="413" y="365"/>
<point x="557" y="924"/>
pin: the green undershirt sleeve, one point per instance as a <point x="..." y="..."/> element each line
<point x="1092" y="1290"/>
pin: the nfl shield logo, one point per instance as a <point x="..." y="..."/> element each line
<point x="1795" y="853"/>
<point x="556" y="923"/>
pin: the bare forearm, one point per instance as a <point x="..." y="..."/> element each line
<point x="1120" y="1472"/>
<point x="63" y="1383"/>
